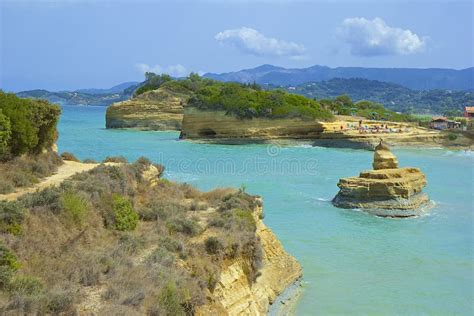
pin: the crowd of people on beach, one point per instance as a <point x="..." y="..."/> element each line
<point x="373" y="128"/>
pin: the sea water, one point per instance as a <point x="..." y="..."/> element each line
<point x="353" y="263"/>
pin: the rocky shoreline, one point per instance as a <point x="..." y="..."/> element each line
<point x="286" y="302"/>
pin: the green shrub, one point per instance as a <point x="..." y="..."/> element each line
<point x="125" y="217"/>
<point x="161" y="257"/>
<point x="11" y="217"/>
<point x="89" y="274"/>
<point x="213" y="245"/>
<point x="245" y="219"/>
<point x="217" y="222"/>
<point x="88" y="160"/>
<point x="32" y="124"/>
<point x="152" y="82"/>
<point x="116" y="159"/>
<point x="8" y="265"/>
<point x="25" y="286"/>
<point x="75" y="206"/>
<point x="158" y="209"/>
<point x="170" y="300"/>
<point x="49" y="198"/>
<point x="171" y="245"/>
<point x="60" y="302"/>
<point x="183" y="225"/>
<point x="128" y="245"/>
<point x="5" y="134"/>
<point x="68" y="156"/>
<point x="135" y="299"/>
<point x="239" y="200"/>
<point x="142" y="161"/>
<point x="27" y="170"/>
<point x="452" y="136"/>
<point x="6" y="186"/>
<point x="20" y="178"/>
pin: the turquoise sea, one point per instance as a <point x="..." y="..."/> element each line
<point x="353" y="263"/>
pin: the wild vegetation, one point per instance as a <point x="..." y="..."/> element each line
<point x="152" y="82"/>
<point x="110" y="241"/>
<point x="27" y="132"/>
<point x="241" y="100"/>
<point x="27" y="170"/>
<point x="27" y="126"/>
<point x="343" y="105"/>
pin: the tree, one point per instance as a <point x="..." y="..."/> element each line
<point x="194" y="77"/>
<point x="32" y="124"/>
<point x="344" y="100"/>
<point x="5" y="133"/>
<point x="149" y="76"/>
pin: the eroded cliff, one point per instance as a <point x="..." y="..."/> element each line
<point x="199" y="124"/>
<point x="235" y="295"/>
<point x="160" y="109"/>
<point x="219" y="126"/>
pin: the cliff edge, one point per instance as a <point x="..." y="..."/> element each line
<point x="218" y="125"/>
<point x="235" y="295"/>
<point x="160" y="109"/>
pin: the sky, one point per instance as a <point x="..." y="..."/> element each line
<point x="74" y="44"/>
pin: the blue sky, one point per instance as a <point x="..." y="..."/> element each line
<point x="73" y="44"/>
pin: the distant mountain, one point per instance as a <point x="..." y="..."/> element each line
<point x="102" y="97"/>
<point x="413" y="78"/>
<point x="115" y="89"/>
<point x="393" y="96"/>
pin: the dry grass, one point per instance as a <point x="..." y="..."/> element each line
<point x="27" y="170"/>
<point x="82" y="263"/>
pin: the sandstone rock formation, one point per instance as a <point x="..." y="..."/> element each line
<point x="217" y="125"/>
<point x="385" y="191"/>
<point x="234" y="295"/>
<point x="160" y="109"/>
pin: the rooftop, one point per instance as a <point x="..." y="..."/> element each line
<point x="469" y="109"/>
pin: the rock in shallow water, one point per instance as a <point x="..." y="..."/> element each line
<point x="385" y="191"/>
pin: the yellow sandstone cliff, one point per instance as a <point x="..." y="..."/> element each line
<point x="235" y="295"/>
<point x="385" y="191"/>
<point x="200" y="124"/>
<point x="160" y="109"/>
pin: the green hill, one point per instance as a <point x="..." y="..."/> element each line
<point x="241" y="100"/>
<point x="393" y="96"/>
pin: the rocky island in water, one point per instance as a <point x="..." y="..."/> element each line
<point x="387" y="190"/>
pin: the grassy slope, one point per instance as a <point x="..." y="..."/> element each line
<point x="108" y="241"/>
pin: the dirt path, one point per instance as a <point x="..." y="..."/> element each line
<point x="68" y="169"/>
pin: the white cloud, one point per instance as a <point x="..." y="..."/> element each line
<point x="375" y="37"/>
<point x="177" y="70"/>
<point x="253" y="42"/>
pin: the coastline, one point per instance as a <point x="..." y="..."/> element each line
<point x="326" y="143"/>
<point x="287" y="301"/>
